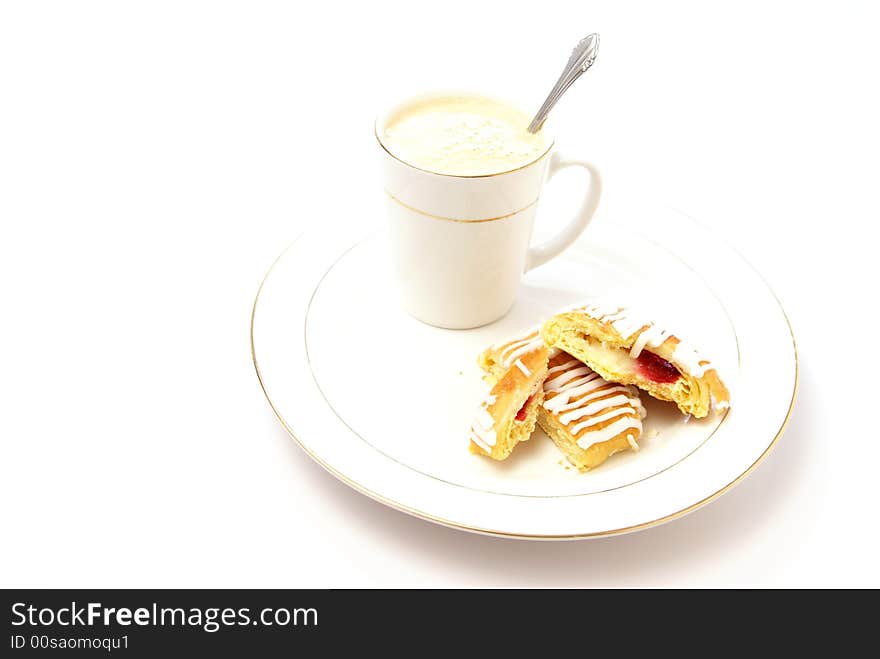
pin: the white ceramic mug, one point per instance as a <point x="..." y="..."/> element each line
<point x="460" y="244"/>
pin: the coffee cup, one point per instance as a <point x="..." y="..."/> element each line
<point x="462" y="178"/>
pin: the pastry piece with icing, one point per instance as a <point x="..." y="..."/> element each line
<point x="515" y="372"/>
<point x="587" y="417"/>
<point x="621" y="346"/>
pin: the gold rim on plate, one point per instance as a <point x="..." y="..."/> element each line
<point x="503" y="534"/>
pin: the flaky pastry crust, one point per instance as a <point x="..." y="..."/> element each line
<point x="611" y="339"/>
<point x="508" y="414"/>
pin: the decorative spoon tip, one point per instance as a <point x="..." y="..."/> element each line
<point x="582" y="58"/>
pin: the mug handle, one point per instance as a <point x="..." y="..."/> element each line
<point x="542" y="253"/>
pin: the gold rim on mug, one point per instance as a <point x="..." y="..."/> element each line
<point x="462" y="220"/>
<point x="428" y="171"/>
<point x="503" y="534"/>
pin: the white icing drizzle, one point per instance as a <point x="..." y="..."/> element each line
<point x="483" y="427"/>
<point x="599" y="392"/>
<point x="522" y="367"/>
<point x="486" y="437"/>
<point x="652" y="337"/>
<point x="486" y="434"/>
<point x="562" y="367"/>
<point x="647" y="334"/>
<point x="621" y="319"/>
<point x="632" y="442"/>
<point x="574" y="392"/>
<point x="559" y="382"/>
<point x="609" y="432"/>
<point x="512" y="351"/>
<point x="479" y="442"/>
<point x="574" y="388"/>
<point x="598" y="406"/>
<point x="484" y="419"/>
<point x="596" y="420"/>
<point x="686" y="357"/>
<point x="509" y="354"/>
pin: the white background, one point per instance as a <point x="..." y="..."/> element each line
<point x="155" y="157"/>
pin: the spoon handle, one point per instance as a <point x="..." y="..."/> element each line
<point x="582" y="58"/>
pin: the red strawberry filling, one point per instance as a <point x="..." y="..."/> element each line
<point x="521" y="415"/>
<point x="656" y="368"/>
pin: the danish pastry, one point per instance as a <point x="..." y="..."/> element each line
<point x="623" y="347"/>
<point x="587" y="417"/>
<point x="515" y="372"/>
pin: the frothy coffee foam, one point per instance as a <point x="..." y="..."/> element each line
<point x="462" y="135"/>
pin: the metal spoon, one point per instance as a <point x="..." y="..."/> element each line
<point x="582" y="58"/>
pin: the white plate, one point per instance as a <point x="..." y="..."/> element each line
<point x="384" y="402"/>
